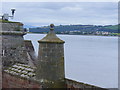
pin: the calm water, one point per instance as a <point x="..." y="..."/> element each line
<point x="88" y="59"/>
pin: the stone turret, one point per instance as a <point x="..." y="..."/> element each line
<point x="50" y="68"/>
<point x="13" y="48"/>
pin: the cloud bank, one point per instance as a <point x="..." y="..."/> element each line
<point x="44" y="13"/>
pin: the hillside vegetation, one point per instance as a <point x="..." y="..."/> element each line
<point x="81" y="28"/>
<point x="108" y="30"/>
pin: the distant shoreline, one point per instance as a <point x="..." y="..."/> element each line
<point x="74" y="34"/>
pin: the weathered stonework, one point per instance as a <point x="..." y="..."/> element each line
<point x="20" y="68"/>
<point x="13" y="47"/>
<point x="11" y="82"/>
<point x="11" y="26"/>
<point x="23" y="76"/>
<point x="50" y="68"/>
<point x="31" y="53"/>
<point x="79" y="85"/>
<point x="0" y="59"/>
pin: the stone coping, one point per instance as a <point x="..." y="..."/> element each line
<point x="12" y="33"/>
<point x="51" y="38"/>
<point x="81" y="83"/>
<point x="59" y="42"/>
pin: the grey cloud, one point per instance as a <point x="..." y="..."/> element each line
<point x="64" y="13"/>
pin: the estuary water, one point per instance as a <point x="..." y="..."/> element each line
<point x="88" y="59"/>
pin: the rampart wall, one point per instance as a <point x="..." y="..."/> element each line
<point x="12" y="26"/>
<point x="10" y="81"/>
<point x="13" y="47"/>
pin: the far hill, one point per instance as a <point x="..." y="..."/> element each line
<point x="77" y="28"/>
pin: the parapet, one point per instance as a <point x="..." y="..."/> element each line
<point x="23" y="76"/>
<point x="13" y="47"/>
<point x="11" y="26"/>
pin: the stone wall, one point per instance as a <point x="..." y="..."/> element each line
<point x="31" y="53"/>
<point x="0" y="58"/>
<point x="13" y="47"/>
<point x="10" y="81"/>
<point x="12" y="26"/>
<point x="81" y="86"/>
<point x="51" y="64"/>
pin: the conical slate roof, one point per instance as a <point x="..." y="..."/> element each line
<point x="51" y="37"/>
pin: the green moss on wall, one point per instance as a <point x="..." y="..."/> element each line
<point x="12" y="33"/>
<point x="4" y="21"/>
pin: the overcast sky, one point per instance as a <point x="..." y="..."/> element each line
<point x="44" y="13"/>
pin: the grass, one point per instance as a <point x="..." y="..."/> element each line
<point x="4" y="21"/>
<point x="116" y="34"/>
<point x="114" y="27"/>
